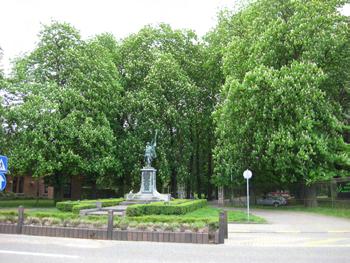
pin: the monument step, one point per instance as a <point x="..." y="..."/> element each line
<point x="117" y="208"/>
<point x="136" y="202"/>
<point x="104" y="212"/>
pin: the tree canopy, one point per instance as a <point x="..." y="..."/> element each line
<point x="285" y="102"/>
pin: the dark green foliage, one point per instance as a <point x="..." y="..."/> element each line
<point x="162" y="208"/>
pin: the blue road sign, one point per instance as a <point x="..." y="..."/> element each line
<point x="3" y="164"/>
<point x="2" y="182"/>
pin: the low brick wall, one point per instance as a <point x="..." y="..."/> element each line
<point x="110" y="234"/>
<point x="154" y="236"/>
<point x="126" y="235"/>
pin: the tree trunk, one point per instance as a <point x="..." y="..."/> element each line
<point x="190" y="168"/>
<point x="94" y="190"/>
<point x="188" y="189"/>
<point x="310" y="196"/>
<point x="173" y="183"/>
<point x="58" y="188"/>
<point x="198" y="174"/>
<point x="299" y="193"/>
<point x="210" y="174"/>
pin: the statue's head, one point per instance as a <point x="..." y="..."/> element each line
<point x="147" y="143"/>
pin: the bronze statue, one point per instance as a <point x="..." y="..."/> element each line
<point x="150" y="151"/>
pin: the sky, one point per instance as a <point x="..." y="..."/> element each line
<point x="21" y="20"/>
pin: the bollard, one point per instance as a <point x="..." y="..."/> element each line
<point x="99" y="205"/>
<point x="110" y="225"/>
<point x="221" y="227"/>
<point x="225" y="224"/>
<point x="20" y="219"/>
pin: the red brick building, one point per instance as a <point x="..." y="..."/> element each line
<point x="33" y="187"/>
<point x="28" y="186"/>
<point x="74" y="189"/>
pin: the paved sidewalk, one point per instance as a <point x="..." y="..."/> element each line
<point x="291" y="229"/>
<point x="293" y="222"/>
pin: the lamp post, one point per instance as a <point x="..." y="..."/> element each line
<point x="247" y="174"/>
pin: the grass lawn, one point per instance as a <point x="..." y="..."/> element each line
<point x="329" y="211"/>
<point x="233" y="216"/>
<point x="206" y="214"/>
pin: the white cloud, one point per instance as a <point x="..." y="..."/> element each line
<point x="345" y="10"/>
<point x="20" y="19"/>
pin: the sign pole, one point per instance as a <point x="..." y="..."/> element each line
<point x="247" y="174"/>
<point x="248" y="198"/>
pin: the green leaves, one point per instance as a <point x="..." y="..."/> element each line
<point x="285" y="64"/>
<point x="71" y="96"/>
<point x="161" y="71"/>
<point x="279" y="123"/>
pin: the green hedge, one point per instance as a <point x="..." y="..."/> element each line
<point x="27" y="203"/>
<point x="66" y="206"/>
<point x="170" y="219"/>
<point x="163" y="208"/>
<point x="76" y="209"/>
<point x="76" y="206"/>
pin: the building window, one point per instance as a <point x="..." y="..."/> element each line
<point x="67" y="190"/>
<point x="17" y="185"/>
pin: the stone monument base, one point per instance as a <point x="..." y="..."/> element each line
<point x="148" y="191"/>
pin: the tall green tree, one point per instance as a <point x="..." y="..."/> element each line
<point x="71" y="96"/>
<point x="285" y="103"/>
<point x="139" y="55"/>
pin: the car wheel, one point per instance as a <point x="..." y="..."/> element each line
<point x="275" y="204"/>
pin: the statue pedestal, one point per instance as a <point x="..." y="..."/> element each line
<point x="148" y="190"/>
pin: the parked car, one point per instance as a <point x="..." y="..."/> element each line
<point x="284" y="194"/>
<point x="272" y="200"/>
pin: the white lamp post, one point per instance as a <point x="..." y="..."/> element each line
<point x="247" y="174"/>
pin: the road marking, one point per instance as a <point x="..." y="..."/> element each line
<point x="327" y="241"/>
<point x="27" y="253"/>
<point x="287" y="232"/>
<point x="266" y="232"/>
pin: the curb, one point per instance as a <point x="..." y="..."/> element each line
<point x="123" y="235"/>
<point x="290" y="232"/>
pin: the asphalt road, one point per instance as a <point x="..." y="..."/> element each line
<point x="289" y="241"/>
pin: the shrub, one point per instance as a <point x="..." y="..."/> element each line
<point x="76" y="209"/>
<point x="76" y="206"/>
<point x="163" y="208"/>
<point x="110" y="202"/>
<point x="66" y="206"/>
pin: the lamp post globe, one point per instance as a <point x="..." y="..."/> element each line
<point x="247" y="174"/>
